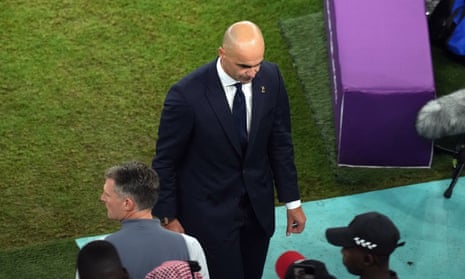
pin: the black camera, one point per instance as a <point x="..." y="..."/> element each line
<point x="300" y="270"/>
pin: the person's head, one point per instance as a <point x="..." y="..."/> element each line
<point x="99" y="259"/>
<point x="129" y="188"/>
<point x="367" y="242"/>
<point x="242" y="51"/>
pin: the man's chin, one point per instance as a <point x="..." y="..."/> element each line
<point x="353" y="272"/>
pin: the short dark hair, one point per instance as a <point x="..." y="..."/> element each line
<point x="99" y="259"/>
<point x="136" y="180"/>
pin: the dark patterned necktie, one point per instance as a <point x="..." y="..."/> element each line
<point x="240" y="115"/>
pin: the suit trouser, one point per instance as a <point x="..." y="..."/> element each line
<point x="242" y="254"/>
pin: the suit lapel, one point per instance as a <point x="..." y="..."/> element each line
<point x="258" y="99"/>
<point x="217" y="98"/>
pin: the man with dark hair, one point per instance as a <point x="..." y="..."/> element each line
<point x="129" y="193"/>
<point x="366" y="244"/>
<point x="99" y="259"/>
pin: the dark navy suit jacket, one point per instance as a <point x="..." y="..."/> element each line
<point x="199" y="160"/>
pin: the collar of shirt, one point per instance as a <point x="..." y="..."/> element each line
<point x="225" y="79"/>
<point x="230" y="90"/>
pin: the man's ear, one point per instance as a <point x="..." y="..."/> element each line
<point x="368" y="259"/>
<point x="129" y="204"/>
<point x="221" y="51"/>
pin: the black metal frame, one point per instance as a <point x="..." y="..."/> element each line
<point x="458" y="164"/>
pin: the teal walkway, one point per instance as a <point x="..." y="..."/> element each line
<point x="432" y="227"/>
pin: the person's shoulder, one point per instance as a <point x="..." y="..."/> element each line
<point x="113" y="236"/>
<point x="268" y="65"/>
<point x="199" y="73"/>
<point x="393" y="274"/>
<point x="268" y="68"/>
<point x="167" y="234"/>
<point x="190" y="239"/>
<point x="126" y="228"/>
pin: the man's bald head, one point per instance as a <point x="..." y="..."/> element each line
<point x="242" y="51"/>
<point x="243" y="35"/>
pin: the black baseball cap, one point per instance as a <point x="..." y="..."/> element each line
<point x="372" y="231"/>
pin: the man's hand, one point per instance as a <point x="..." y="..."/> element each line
<point x="295" y="220"/>
<point x="174" y="226"/>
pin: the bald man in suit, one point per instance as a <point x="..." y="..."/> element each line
<point x="217" y="178"/>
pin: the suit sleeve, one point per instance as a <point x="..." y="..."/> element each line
<point x="281" y="150"/>
<point x="173" y="139"/>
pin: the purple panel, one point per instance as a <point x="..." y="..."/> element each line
<point x="382" y="75"/>
<point x="373" y="134"/>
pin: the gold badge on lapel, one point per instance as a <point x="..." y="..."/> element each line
<point x="263" y="89"/>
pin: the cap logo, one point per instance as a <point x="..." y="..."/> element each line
<point x="364" y="243"/>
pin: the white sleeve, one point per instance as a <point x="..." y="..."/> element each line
<point x="196" y="254"/>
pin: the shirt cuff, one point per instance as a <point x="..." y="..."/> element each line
<point x="293" y="204"/>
